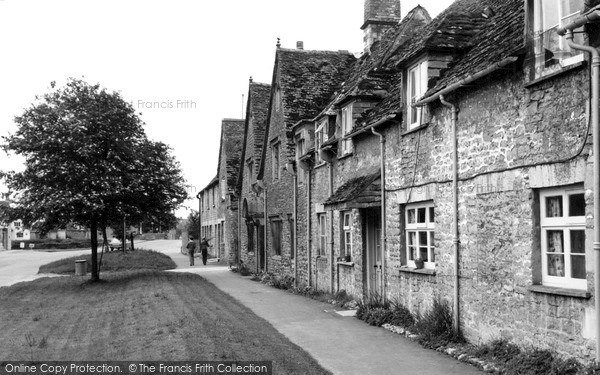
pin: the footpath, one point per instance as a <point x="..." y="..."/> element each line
<point x="341" y="344"/>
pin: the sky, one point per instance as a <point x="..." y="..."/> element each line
<point x="183" y="64"/>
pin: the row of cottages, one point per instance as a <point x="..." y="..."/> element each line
<point x="451" y="160"/>
<point x="218" y="201"/>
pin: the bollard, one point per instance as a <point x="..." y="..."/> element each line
<point x="80" y="269"/>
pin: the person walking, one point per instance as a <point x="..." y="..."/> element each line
<point x="191" y="247"/>
<point x="204" y="249"/>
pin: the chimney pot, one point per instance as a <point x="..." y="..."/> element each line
<point x="299" y="44"/>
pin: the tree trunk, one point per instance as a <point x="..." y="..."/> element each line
<point x="94" y="230"/>
<point x="131" y="237"/>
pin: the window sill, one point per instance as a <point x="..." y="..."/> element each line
<point x="560" y="291"/>
<point x="276" y="257"/>
<point x="413" y="130"/>
<point x="554" y="74"/>
<point x="346" y="264"/>
<point x="320" y="165"/>
<point x="345" y="156"/>
<point x="421" y="271"/>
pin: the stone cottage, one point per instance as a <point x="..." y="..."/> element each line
<point x="251" y="219"/>
<point x="218" y="200"/>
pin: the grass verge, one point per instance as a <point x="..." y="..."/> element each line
<point x="139" y="315"/>
<point x="114" y="261"/>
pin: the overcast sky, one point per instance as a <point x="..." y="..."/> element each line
<point x="193" y="58"/>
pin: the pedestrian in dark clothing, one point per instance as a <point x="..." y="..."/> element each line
<point x="191" y="246"/>
<point x="204" y="249"/>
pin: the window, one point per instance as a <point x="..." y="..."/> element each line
<point x="420" y="226"/>
<point x="276" y="236"/>
<point x="320" y="138"/>
<point x="292" y="244"/>
<point x="347" y="125"/>
<point x="416" y="88"/>
<point x="250" y="166"/>
<point x="20" y="235"/>
<point x="551" y="50"/>
<point x="562" y="224"/>
<point x="301" y="150"/>
<point x="346" y="241"/>
<point x="322" y="234"/>
<point x="275" y="159"/>
<point x="223" y="188"/>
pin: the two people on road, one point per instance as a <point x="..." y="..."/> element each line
<point x="191" y="247"/>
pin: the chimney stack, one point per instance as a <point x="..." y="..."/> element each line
<point x="299" y="44"/>
<point x="380" y="15"/>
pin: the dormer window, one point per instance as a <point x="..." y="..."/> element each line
<point x="552" y="52"/>
<point x="347" y="125"/>
<point x="416" y="88"/>
<point x="321" y="136"/>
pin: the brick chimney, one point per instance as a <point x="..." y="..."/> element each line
<point x="380" y="15"/>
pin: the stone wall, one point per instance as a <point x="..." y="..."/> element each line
<point x="512" y="141"/>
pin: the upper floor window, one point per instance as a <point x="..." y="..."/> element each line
<point x="562" y="224"/>
<point x="420" y="227"/>
<point x="321" y="136"/>
<point x="275" y="161"/>
<point x="276" y="236"/>
<point x="347" y="125"/>
<point x="416" y="88"/>
<point x="551" y="50"/>
<point x="250" y="166"/>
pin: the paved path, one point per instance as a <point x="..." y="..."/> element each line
<point x="344" y="345"/>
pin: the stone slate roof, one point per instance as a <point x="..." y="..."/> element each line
<point x="257" y="108"/>
<point x="370" y="74"/>
<point x="307" y="82"/>
<point x="452" y="30"/>
<point x="353" y="188"/>
<point x="232" y="139"/>
<point x="502" y="37"/>
<point x="212" y="183"/>
<point x="461" y="27"/>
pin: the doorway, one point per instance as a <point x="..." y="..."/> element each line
<point x="372" y="234"/>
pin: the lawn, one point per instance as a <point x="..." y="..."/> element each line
<point x="114" y="261"/>
<point x="139" y="315"/>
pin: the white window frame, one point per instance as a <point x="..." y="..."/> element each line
<point x="419" y="86"/>
<point x="566" y="224"/>
<point x="427" y="227"/>
<point x="321" y="136"/>
<point x="322" y="234"/>
<point x="346" y="226"/>
<point x="347" y="126"/>
<point x="276" y="156"/>
<point x="545" y="34"/>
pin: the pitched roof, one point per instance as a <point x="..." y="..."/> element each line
<point x="307" y="81"/>
<point x="501" y="38"/>
<point x="452" y="30"/>
<point x="354" y="188"/>
<point x="257" y="108"/>
<point x="231" y="146"/>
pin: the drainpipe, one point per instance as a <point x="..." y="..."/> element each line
<point x="265" y="229"/>
<point x="595" y="94"/>
<point x="383" y="211"/>
<point x="331" y="242"/>
<point x="308" y="225"/>
<point x="455" y="239"/>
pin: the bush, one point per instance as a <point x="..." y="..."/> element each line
<point x="48" y="244"/>
<point x="374" y="309"/>
<point x="435" y="327"/>
<point x="401" y="316"/>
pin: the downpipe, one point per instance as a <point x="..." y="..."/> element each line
<point x="291" y="170"/>
<point x="331" y="241"/>
<point x="383" y="211"/>
<point x="308" y="227"/>
<point x="456" y="238"/>
<point x="595" y="94"/>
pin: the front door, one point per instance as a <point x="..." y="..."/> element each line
<point x="260" y="240"/>
<point x="373" y="258"/>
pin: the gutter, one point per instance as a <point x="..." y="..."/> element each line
<point x="466" y="81"/>
<point x="383" y="211"/>
<point x="374" y="125"/>
<point x="595" y="95"/>
<point x="591" y="16"/>
<point x="456" y="238"/>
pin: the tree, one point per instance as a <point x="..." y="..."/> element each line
<point x="193" y="224"/>
<point x="88" y="161"/>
